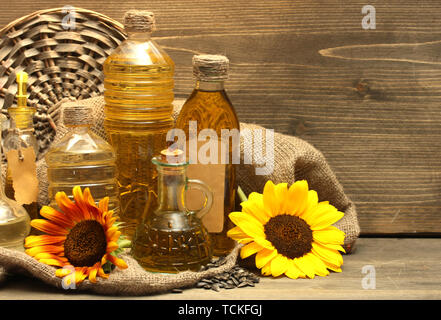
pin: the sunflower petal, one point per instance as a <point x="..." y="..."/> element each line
<point x="269" y="198"/>
<point x="331" y="266"/>
<point x="297" y="197"/>
<point x="266" y="269"/>
<point x="93" y="273"/>
<point x="102" y="274"/>
<point x="250" y="249"/>
<point x="264" y="256"/>
<point x="48" y="249"/>
<point x="49" y="227"/>
<point x="120" y="263"/>
<point x="52" y="262"/>
<point x="264" y="243"/>
<point x="57" y="217"/>
<point x="311" y="204"/>
<point x="112" y="246"/>
<point x="256" y="210"/>
<point x="104" y="204"/>
<point x="305" y="265"/>
<point x="293" y="272"/>
<point x="69" y="208"/>
<point x="42" y="240"/>
<point x="61" y="273"/>
<point x="281" y="191"/>
<point x="80" y="275"/>
<point x="279" y="265"/>
<point x="329" y="235"/>
<point x="81" y="202"/>
<point x="319" y="266"/>
<point x="46" y="255"/>
<point x="250" y="225"/>
<point x="326" y="254"/>
<point x="326" y="219"/>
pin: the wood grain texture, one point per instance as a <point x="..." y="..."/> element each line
<point x="368" y="99"/>
<point x="404" y="269"/>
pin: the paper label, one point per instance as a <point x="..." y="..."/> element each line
<point x="214" y="176"/>
<point x="23" y="171"/>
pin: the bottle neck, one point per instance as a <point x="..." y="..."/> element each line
<point x="22" y="117"/>
<point x="79" y="129"/>
<point x="171" y="187"/>
<point x="139" y="36"/>
<point x="209" y="85"/>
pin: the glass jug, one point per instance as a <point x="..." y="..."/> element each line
<point x="173" y="238"/>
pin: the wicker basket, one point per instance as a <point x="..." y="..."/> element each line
<point x="63" y="60"/>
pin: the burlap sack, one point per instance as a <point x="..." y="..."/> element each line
<point x="133" y="281"/>
<point x="294" y="159"/>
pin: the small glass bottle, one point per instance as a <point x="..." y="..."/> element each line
<point x="14" y="220"/>
<point x="211" y="108"/>
<point x="82" y="158"/>
<point x="21" y="136"/>
<point x="173" y="238"/>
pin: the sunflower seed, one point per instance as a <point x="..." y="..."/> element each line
<point x="176" y="290"/>
<point x="207" y="280"/>
<point x="215" y="287"/>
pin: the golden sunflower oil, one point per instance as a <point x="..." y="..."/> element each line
<point x="138" y="81"/>
<point x="14" y="220"/>
<point x="172" y="238"/>
<point x="211" y="108"/>
<point x="82" y="158"/>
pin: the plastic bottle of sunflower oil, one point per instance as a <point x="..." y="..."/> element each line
<point x="138" y="82"/>
<point x="14" y="220"/>
<point x="82" y="158"/>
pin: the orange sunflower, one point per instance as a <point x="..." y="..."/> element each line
<point x="82" y="235"/>
<point x="289" y="231"/>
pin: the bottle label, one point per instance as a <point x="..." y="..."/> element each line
<point x="214" y="176"/>
<point x="23" y="170"/>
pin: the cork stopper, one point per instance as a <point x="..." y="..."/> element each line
<point x="139" y="21"/>
<point x="210" y="67"/>
<point x="172" y="156"/>
<point x="77" y="115"/>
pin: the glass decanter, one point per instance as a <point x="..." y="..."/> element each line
<point x="173" y="238"/>
<point x="21" y="136"/>
<point x="14" y="220"/>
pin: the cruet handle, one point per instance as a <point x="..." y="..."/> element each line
<point x="208" y="203"/>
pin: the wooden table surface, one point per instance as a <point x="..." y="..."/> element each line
<point x="404" y="269"/>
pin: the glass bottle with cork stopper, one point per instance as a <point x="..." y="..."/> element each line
<point x="173" y="238"/>
<point x="209" y="107"/>
<point x="21" y="143"/>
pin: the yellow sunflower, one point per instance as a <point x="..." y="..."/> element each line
<point x="290" y="232"/>
<point x="82" y="235"/>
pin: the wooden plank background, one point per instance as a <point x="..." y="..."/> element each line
<point x="368" y="99"/>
